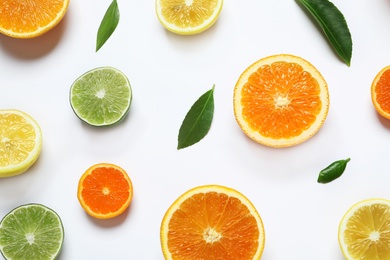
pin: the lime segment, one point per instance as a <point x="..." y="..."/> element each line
<point x="101" y="97"/>
<point x="31" y="231"/>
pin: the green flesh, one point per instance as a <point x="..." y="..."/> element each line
<point x="32" y="232"/>
<point x="101" y="97"/>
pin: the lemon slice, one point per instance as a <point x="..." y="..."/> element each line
<point x="364" y="231"/>
<point x="188" y="16"/>
<point x="20" y="142"/>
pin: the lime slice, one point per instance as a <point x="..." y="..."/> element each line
<point x="32" y="232"/>
<point x="101" y="97"/>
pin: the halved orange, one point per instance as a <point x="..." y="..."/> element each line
<point x="28" y="19"/>
<point x="380" y="92"/>
<point x="281" y="100"/>
<point x="212" y="222"/>
<point x="105" y="191"/>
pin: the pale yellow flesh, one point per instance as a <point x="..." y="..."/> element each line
<point x="364" y="231"/>
<point x="20" y="142"/>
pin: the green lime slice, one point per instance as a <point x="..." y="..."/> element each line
<point x="101" y="97"/>
<point x="32" y="232"/>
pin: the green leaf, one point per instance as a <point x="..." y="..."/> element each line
<point x="197" y="122"/>
<point x="333" y="23"/>
<point x="108" y="24"/>
<point x="333" y="171"/>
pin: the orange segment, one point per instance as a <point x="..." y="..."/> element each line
<point x="281" y="100"/>
<point x="105" y="191"/>
<point x="212" y="222"/>
<point x="30" y="18"/>
<point x="380" y="92"/>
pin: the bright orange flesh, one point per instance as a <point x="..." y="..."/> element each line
<point x="281" y="100"/>
<point x="285" y="83"/>
<point x="105" y="191"/>
<point x="380" y="92"/>
<point x="213" y="225"/>
<point x="30" y="18"/>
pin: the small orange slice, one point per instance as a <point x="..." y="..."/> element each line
<point x="281" y="100"/>
<point x="28" y="19"/>
<point x="105" y="191"/>
<point x="380" y="92"/>
<point x="212" y="222"/>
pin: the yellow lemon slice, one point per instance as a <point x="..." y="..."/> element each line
<point x="20" y="142"/>
<point x="364" y="231"/>
<point x="188" y="16"/>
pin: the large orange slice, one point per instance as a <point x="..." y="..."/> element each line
<point x="281" y="100"/>
<point x="380" y="92"/>
<point x="212" y="222"/>
<point x="105" y="191"/>
<point x="30" y="18"/>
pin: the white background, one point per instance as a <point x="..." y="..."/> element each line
<point x="168" y="73"/>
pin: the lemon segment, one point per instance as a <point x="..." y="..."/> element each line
<point x="20" y="142"/>
<point x="364" y="231"/>
<point x="188" y="17"/>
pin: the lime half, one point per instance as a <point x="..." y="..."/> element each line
<point x="32" y="232"/>
<point x="101" y="97"/>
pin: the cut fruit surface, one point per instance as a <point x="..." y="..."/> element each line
<point x="364" y="231"/>
<point x="380" y="92"/>
<point x="188" y="16"/>
<point x="20" y="142"/>
<point x="212" y="222"/>
<point x="105" y="191"/>
<point x="31" y="231"/>
<point x="32" y="18"/>
<point x="281" y="100"/>
<point x="101" y="97"/>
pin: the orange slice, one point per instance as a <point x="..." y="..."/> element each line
<point x="28" y="19"/>
<point x="281" y="100"/>
<point x="380" y="92"/>
<point x="105" y="191"/>
<point x="212" y="222"/>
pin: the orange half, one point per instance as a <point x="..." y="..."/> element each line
<point x="281" y="100"/>
<point x="30" y="18"/>
<point x="212" y="222"/>
<point x="105" y="191"/>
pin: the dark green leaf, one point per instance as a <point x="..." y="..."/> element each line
<point x="197" y="122"/>
<point x="108" y="24"/>
<point x="333" y="23"/>
<point x="333" y="171"/>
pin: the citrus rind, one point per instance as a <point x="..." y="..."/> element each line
<point x="351" y="211"/>
<point x="19" y="168"/>
<point x="188" y="30"/>
<point x="42" y="30"/>
<point x="282" y="142"/>
<point x="164" y="229"/>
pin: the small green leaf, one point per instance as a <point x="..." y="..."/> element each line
<point x="333" y="171"/>
<point x="108" y="24"/>
<point x="333" y="23"/>
<point x="197" y="122"/>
